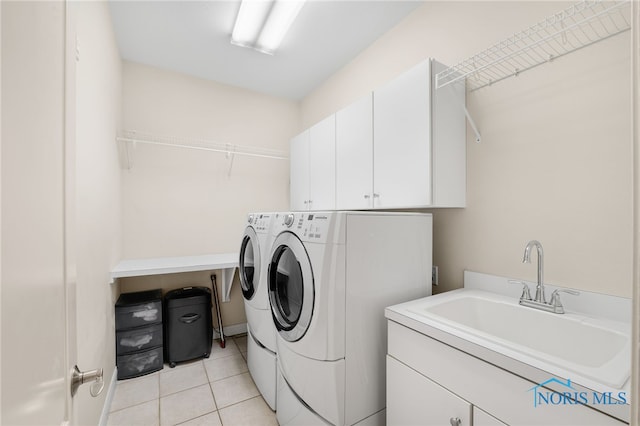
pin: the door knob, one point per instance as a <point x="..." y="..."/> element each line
<point x="81" y="377"/>
<point x="455" y="421"/>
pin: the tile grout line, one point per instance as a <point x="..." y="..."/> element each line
<point x="209" y="383"/>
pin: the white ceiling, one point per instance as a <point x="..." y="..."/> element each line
<point x="192" y="37"/>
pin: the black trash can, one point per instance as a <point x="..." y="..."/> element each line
<point x="188" y="332"/>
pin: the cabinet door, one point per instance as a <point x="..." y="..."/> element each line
<point x="354" y="155"/>
<point x="402" y="140"/>
<point x="299" y="169"/>
<point x="480" y="418"/>
<point x="412" y="399"/>
<point x="322" y="165"/>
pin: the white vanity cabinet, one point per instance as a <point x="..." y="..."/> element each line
<point x="313" y="173"/>
<point x="419" y="138"/>
<point x="431" y="383"/>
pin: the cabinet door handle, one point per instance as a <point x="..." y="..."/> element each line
<point x="455" y="421"/>
<point x="376" y="195"/>
<point x="367" y="196"/>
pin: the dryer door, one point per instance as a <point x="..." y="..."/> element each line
<point x="249" y="263"/>
<point x="291" y="288"/>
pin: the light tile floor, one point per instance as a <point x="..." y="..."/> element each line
<point x="213" y="391"/>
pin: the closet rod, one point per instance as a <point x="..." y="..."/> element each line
<point x="202" y="145"/>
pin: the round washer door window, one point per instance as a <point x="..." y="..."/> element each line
<point x="291" y="289"/>
<point x="249" y="263"/>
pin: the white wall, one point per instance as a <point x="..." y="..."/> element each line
<point x="180" y="202"/>
<point x="555" y="163"/>
<point x="98" y="224"/>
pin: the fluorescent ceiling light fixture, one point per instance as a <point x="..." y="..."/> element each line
<point x="262" y="24"/>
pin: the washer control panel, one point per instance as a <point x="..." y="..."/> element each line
<point x="313" y="227"/>
<point x="260" y="222"/>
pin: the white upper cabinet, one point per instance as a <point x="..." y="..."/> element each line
<point x="299" y="167"/>
<point x="354" y="155"/>
<point x="419" y="141"/>
<point x="313" y="172"/>
<point x="403" y="146"/>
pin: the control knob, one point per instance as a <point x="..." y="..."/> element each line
<point x="288" y="220"/>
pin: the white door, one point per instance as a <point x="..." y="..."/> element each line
<point x="354" y="155"/>
<point x="37" y="259"/>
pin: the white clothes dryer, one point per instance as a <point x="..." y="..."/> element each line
<point x="330" y="276"/>
<point x="261" y="339"/>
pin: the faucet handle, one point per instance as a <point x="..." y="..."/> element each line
<point x="555" y="298"/>
<point x="526" y="294"/>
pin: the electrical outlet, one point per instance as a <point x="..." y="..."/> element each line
<point x="434" y="275"/>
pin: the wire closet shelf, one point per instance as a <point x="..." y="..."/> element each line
<point x="133" y="137"/>
<point x="578" y="26"/>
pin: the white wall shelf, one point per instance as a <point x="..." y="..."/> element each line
<point x="578" y="26"/>
<point x="227" y="263"/>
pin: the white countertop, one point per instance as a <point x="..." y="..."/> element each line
<point x="170" y="265"/>
<point x="227" y="262"/>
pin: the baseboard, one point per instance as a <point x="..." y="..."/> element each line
<point x="104" y="417"/>
<point x="232" y="330"/>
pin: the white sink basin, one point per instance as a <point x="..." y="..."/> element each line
<point x="581" y="346"/>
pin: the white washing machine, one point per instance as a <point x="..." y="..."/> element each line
<point x="261" y="339"/>
<point x="331" y="274"/>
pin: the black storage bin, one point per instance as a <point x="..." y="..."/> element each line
<point x="137" y="339"/>
<point x="139" y="333"/>
<point x="187" y="326"/>
<point x="139" y="363"/>
<point x="139" y="309"/>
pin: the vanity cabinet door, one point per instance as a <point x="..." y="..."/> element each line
<point x="413" y="399"/>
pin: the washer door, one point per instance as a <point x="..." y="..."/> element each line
<point x="249" y="263"/>
<point x="291" y="287"/>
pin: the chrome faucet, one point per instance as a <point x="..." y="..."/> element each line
<point x="540" y="301"/>
<point x="540" y="296"/>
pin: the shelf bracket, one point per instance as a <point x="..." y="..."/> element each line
<point x="473" y="125"/>
<point x="230" y="156"/>
<point x="227" y="282"/>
